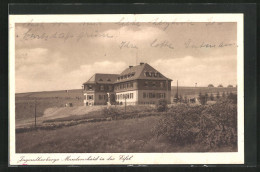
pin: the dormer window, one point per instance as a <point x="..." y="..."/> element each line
<point x="108" y="80"/>
<point x="147" y="74"/>
<point x="90" y="87"/>
<point x="100" y="79"/>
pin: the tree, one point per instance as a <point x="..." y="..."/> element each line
<point x="218" y="96"/>
<point x="180" y="98"/>
<point x="202" y="99"/>
<point x="185" y="99"/>
<point x="206" y="96"/>
<point x="220" y="85"/>
<point x="232" y="97"/>
<point x="112" y="99"/>
<point x="200" y="94"/>
<point x="210" y="85"/>
<point x="162" y="105"/>
<point x="176" y="98"/>
<point x="211" y="97"/>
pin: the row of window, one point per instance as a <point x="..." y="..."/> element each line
<point x="147" y="103"/>
<point x="125" y="96"/>
<point x="152" y="74"/>
<point x="126" y="76"/>
<point x="154" y="95"/>
<point x="127" y="85"/>
<point x="124" y="86"/>
<point x="106" y="87"/>
<point x="154" y="84"/>
<point x="101" y="87"/>
<point x="109" y="80"/>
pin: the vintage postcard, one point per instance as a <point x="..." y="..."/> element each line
<point x="126" y="89"/>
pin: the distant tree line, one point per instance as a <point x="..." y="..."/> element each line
<point x="220" y="86"/>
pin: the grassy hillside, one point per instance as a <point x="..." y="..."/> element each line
<point x="130" y="135"/>
<point x="25" y="102"/>
<point x="202" y="128"/>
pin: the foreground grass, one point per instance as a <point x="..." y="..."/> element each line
<point x="131" y="135"/>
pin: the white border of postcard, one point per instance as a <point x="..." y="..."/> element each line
<point x="138" y="158"/>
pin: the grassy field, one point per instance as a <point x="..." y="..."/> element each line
<point x="131" y="135"/>
<point x="25" y="102"/>
<point x="118" y="135"/>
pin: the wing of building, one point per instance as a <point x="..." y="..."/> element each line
<point x="141" y="84"/>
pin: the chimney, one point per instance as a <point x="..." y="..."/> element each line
<point x="141" y="63"/>
<point x="130" y="66"/>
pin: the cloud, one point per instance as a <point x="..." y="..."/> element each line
<point x="84" y="72"/>
<point x="28" y="56"/>
<point x="189" y="70"/>
<point x="138" y="36"/>
<point x="52" y="76"/>
<point x="56" y="64"/>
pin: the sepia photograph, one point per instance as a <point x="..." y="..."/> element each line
<point x="116" y="91"/>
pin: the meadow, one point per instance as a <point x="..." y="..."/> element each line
<point x="134" y="135"/>
<point x="138" y="129"/>
<point x="25" y="102"/>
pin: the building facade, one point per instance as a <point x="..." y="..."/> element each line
<point x="141" y="84"/>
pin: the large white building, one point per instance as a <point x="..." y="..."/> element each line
<point x="141" y="84"/>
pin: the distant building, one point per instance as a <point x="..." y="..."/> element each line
<point x="141" y="84"/>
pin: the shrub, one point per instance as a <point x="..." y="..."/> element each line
<point x="211" y="126"/>
<point x="218" y="96"/>
<point x="161" y="106"/>
<point x="233" y="98"/>
<point x="179" y="125"/>
<point x="203" y="98"/>
<point x="218" y="125"/>
<point x="111" y="112"/>
<point x="211" y="97"/>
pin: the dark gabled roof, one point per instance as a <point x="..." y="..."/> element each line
<point x="102" y="78"/>
<point x="138" y="72"/>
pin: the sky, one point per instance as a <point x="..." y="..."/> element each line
<point x="61" y="56"/>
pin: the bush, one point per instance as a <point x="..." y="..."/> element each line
<point x="233" y="98"/>
<point x="203" y="98"/>
<point x="211" y="97"/>
<point x="211" y="126"/>
<point x="111" y="112"/>
<point x="218" y="125"/>
<point x="161" y="106"/>
<point x="179" y="125"/>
